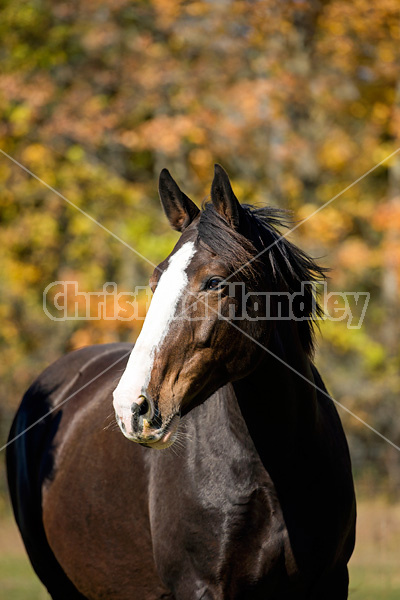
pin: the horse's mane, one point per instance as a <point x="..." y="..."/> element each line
<point x="282" y="265"/>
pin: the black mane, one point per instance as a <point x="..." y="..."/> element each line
<point x="282" y="265"/>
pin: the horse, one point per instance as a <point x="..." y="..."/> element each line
<point x="238" y="485"/>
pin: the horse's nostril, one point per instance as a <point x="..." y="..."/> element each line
<point x="144" y="407"/>
<point x="141" y="408"/>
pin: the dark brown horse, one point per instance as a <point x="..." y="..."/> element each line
<point x="254" y="499"/>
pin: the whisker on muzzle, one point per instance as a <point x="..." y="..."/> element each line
<point x="112" y="425"/>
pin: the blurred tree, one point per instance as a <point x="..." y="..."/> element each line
<point x="296" y="99"/>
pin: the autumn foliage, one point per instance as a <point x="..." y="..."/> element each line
<point x="296" y="99"/>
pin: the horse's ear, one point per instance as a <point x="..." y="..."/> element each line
<point x="223" y="198"/>
<point x="180" y="210"/>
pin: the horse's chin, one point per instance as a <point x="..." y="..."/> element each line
<point x="161" y="445"/>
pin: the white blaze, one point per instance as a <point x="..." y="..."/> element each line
<point x="136" y="377"/>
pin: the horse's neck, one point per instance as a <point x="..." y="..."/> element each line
<point x="279" y="404"/>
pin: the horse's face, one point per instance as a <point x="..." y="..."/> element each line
<point x="187" y="348"/>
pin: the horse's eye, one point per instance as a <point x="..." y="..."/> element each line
<point x="213" y="283"/>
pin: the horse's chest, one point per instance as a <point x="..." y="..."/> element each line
<point x="222" y="545"/>
<point x="216" y="523"/>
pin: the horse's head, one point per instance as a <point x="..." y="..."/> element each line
<point x="200" y="329"/>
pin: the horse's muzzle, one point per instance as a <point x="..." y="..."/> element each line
<point x="142" y="424"/>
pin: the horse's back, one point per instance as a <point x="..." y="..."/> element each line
<point x="65" y="466"/>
